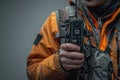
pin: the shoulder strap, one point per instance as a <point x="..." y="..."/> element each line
<point x="117" y="26"/>
<point x="118" y="54"/>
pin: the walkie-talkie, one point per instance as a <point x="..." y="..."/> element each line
<point x="73" y="30"/>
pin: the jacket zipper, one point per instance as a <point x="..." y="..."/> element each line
<point x="99" y="27"/>
<point x="99" y="23"/>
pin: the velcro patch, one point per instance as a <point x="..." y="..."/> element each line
<point x="38" y="38"/>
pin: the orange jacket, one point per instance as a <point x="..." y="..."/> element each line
<point x="43" y="60"/>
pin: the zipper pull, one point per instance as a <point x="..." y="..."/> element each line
<point x="99" y="23"/>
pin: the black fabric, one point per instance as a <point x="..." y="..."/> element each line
<point x="119" y="70"/>
<point x="108" y="50"/>
<point x="38" y="38"/>
<point x="117" y="25"/>
<point x="103" y="11"/>
<point x="112" y="26"/>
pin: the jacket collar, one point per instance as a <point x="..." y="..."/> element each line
<point x="108" y="12"/>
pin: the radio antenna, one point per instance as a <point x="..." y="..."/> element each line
<point x="76" y="9"/>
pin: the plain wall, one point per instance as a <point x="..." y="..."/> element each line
<point x="20" y="22"/>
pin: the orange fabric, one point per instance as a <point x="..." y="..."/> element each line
<point x="103" y="37"/>
<point x="104" y="42"/>
<point x="43" y="62"/>
<point x="94" y="21"/>
<point x="113" y="56"/>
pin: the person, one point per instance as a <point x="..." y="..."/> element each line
<point x="50" y="60"/>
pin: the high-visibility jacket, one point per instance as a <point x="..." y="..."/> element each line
<point x="43" y="61"/>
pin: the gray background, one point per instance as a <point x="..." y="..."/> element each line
<point x="20" y="21"/>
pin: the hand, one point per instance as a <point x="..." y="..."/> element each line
<point x="70" y="56"/>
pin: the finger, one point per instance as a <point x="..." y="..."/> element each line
<point x="71" y="55"/>
<point x="70" y="47"/>
<point x="70" y="67"/>
<point x="71" y="62"/>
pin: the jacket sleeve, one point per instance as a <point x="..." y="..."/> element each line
<point x="43" y="62"/>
